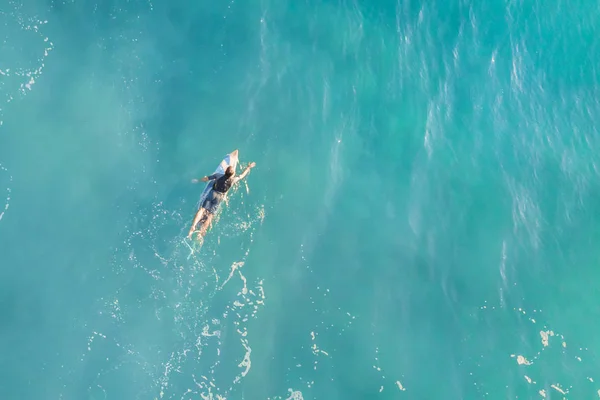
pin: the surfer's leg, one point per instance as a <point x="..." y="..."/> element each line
<point x="205" y="224"/>
<point x="212" y="206"/>
<point x="197" y="219"/>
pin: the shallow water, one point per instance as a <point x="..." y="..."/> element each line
<point x="421" y="224"/>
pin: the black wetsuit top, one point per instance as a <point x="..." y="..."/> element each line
<point x="223" y="184"/>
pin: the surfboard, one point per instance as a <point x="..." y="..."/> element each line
<point x="229" y="159"/>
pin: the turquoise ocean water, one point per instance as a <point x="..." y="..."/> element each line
<point x="423" y="221"/>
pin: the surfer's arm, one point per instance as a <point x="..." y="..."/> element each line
<point x="246" y="171"/>
<point x="205" y="178"/>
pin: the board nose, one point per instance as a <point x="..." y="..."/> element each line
<point x="234" y="153"/>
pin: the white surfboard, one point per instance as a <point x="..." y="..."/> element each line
<point x="230" y="159"/>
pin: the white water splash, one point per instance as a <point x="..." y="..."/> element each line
<point x="549" y="341"/>
<point x="20" y="71"/>
<point x="190" y="304"/>
<point x="4" y="209"/>
<point x="17" y="73"/>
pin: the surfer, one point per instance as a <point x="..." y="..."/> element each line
<point x="213" y="199"/>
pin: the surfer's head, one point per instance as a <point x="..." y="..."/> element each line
<point x="229" y="171"/>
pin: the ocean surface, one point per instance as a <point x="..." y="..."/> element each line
<point x="423" y="221"/>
